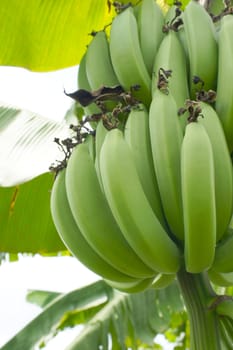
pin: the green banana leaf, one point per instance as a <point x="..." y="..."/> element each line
<point x="45" y="323"/>
<point x="70" y="318"/>
<point x="25" y="219"/>
<point x="27" y="149"/>
<point x="130" y="320"/>
<point x="48" y="35"/>
<point x="41" y="298"/>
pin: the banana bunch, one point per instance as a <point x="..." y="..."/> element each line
<point x="146" y="185"/>
<point x="97" y="229"/>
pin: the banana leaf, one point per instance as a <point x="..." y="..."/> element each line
<point x="106" y="315"/>
<point x="27" y="149"/>
<point x="49" y="35"/>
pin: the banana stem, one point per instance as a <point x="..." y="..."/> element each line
<point x="197" y="294"/>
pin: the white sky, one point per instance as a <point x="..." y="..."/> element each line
<point x="41" y="93"/>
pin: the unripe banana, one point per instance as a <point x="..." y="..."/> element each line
<point x="221" y="279"/>
<point x="170" y="15"/>
<point x="178" y="83"/>
<point x="162" y="281"/>
<point x="83" y="83"/>
<point x="198" y="195"/>
<point x="150" y="22"/>
<point x="222" y="168"/>
<point x="225" y="308"/>
<point x="137" y="135"/>
<point x="72" y="237"/>
<point x="202" y="45"/>
<point x="131" y="208"/>
<point x="137" y="286"/>
<point x="166" y="139"/>
<point x="182" y="38"/>
<point x="94" y="218"/>
<point x="100" y="134"/>
<point x="98" y="63"/>
<point x="90" y="141"/>
<point x="224" y="98"/>
<point x="223" y="260"/>
<point x="127" y="57"/>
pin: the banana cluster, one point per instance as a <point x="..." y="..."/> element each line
<point x="150" y="189"/>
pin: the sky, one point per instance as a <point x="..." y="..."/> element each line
<point x="40" y="93"/>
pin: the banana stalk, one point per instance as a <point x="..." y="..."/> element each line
<point x="197" y="294"/>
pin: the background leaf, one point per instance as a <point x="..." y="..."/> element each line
<point x="41" y="297"/>
<point x="45" y="322"/>
<point x="47" y="35"/>
<point x="130" y="319"/>
<point x="27" y="146"/>
<point x="109" y="317"/>
<point x="25" y="219"/>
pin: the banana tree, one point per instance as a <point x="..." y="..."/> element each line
<point x="45" y="38"/>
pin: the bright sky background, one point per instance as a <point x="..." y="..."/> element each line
<point x="41" y="93"/>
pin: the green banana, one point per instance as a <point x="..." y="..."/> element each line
<point x="224" y="98"/>
<point x="172" y="18"/>
<point x="162" y="281"/>
<point x="202" y="45"/>
<point x="225" y="308"/>
<point x="178" y="83"/>
<point x="222" y="168"/>
<point x="170" y="14"/>
<point x="198" y="196"/>
<point x="90" y="141"/>
<point x="100" y="134"/>
<point x="127" y="57"/>
<point x="98" y="63"/>
<point x="223" y="261"/>
<point x="130" y="204"/>
<point x="221" y="279"/>
<point x="72" y="237"/>
<point x="150" y="21"/>
<point x="166" y="139"/>
<point x="94" y="218"/>
<point x="137" y="286"/>
<point x="83" y="83"/>
<point x="182" y="38"/>
<point x="137" y="136"/>
<point x="131" y="208"/>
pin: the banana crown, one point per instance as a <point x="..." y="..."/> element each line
<point x="146" y="180"/>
